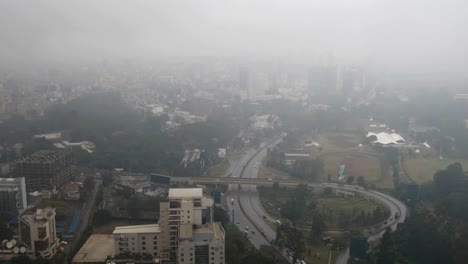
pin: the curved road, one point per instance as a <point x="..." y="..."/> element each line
<point x="251" y="217"/>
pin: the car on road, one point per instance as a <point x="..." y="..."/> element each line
<point x="278" y="222"/>
<point x="253" y="232"/>
<point x="270" y="179"/>
<point x="232" y="201"/>
<point x="247" y="227"/>
<point x="386" y="222"/>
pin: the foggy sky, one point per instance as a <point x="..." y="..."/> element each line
<point x="397" y="34"/>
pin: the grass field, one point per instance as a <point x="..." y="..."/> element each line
<point x="319" y="254"/>
<point x="218" y="170"/>
<point x="268" y="173"/>
<point x="332" y="207"/>
<point x="422" y="170"/>
<point x="357" y="164"/>
<point x="339" y="141"/>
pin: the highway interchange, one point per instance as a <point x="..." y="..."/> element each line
<point x="251" y="218"/>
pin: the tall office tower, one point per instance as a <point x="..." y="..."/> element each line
<point x="244" y="80"/>
<point x="12" y="195"/>
<point x="38" y="233"/>
<point x="185" y="234"/>
<point x="45" y="170"/>
<point x="273" y="83"/>
<point x="321" y="79"/>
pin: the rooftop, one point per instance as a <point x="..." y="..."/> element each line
<point x="210" y="231"/>
<point x="180" y="193"/>
<point x="96" y="249"/>
<point x="38" y="216"/>
<point x="137" y="229"/>
<point x="11" y="181"/>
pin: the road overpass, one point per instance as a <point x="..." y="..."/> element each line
<point x="251" y="181"/>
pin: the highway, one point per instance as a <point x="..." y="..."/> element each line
<point x="246" y="215"/>
<point x="252" y="218"/>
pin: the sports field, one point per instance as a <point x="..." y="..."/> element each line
<point x="422" y="170"/>
<point x="338" y="141"/>
<point x="356" y="164"/>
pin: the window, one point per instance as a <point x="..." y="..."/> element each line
<point x="212" y="258"/>
<point x="182" y="260"/>
<point x="143" y="238"/>
<point x="143" y="243"/>
<point x="212" y="253"/>
<point x="143" y="248"/>
<point x="182" y="254"/>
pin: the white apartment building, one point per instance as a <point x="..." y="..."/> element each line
<point x="185" y="233"/>
<point x="141" y="239"/>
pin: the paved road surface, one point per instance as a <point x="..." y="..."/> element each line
<point x="247" y="198"/>
<point x="88" y="208"/>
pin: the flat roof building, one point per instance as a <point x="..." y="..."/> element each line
<point x="96" y="249"/>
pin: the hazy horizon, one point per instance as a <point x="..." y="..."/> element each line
<point x="401" y="36"/>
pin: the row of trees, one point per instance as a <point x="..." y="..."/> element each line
<point x="122" y="137"/>
<point x="437" y="229"/>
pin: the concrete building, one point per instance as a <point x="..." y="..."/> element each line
<point x="45" y="170"/>
<point x="37" y="231"/>
<point x="140" y="239"/>
<point x="96" y="249"/>
<point x="185" y="233"/>
<point x="201" y="244"/>
<point x="12" y="195"/>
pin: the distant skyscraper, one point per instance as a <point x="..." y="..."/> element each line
<point x="244" y="80"/>
<point x="321" y="79"/>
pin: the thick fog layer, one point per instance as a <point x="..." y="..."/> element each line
<point x="419" y="35"/>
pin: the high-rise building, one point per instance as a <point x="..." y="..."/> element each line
<point x="45" y="170"/>
<point x="12" y="195"/>
<point x="185" y="233"/>
<point x="321" y="79"/>
<point x="37" y="231"/>
<point x="244" y="80"/>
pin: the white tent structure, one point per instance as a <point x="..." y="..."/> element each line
<point x="384" y="138"/>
